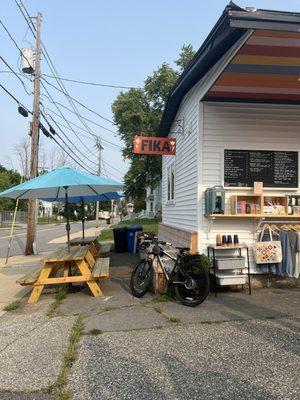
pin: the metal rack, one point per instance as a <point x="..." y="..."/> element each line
<point x="241" y="247"/>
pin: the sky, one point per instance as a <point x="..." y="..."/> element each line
<point x="116" y="42"/>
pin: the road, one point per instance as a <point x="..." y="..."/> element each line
<point x="45" y="235"/>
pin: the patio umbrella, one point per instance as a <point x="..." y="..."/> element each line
<point x="64" y="182"/>
<point x="87" y="199"/>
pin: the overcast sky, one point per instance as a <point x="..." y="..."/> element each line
<point x="116" y="42"/>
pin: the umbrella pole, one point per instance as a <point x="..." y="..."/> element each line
<point x="68" y="219"/>
<point x="82" y="211"/>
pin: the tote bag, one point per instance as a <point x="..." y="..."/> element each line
<point x="267" y="252"/>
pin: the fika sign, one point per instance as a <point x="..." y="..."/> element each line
<point x="154" y="145"/>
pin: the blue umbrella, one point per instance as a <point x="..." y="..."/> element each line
<point x="87" y="199"/>
<point x="64" y="182"/>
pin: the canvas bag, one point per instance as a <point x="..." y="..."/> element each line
<point x="267" y="252"/>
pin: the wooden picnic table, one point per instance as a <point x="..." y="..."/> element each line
<point x="97" y="249"/>
<point x="78" y="257"/>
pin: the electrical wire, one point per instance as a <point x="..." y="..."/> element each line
<point x="62" y="115"/>
<point x="85" y="118"/>
<point x="77" y="126"/>
<point x="52" y="67"/>
<point x="80" y="103"/>
<point x="15" y="99"/>
<point x="79" y="151"/>
<point x="93" y="83"/>
<point x="13" y="72"/>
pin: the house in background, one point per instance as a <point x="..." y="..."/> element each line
<point x="238" y="98"/>
<point x="153" y="201"/>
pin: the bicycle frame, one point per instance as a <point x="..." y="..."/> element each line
<point x="169" y="278"/>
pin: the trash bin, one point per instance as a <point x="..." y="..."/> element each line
<point x="120" y="239"/>
<point x="131" y="236"/>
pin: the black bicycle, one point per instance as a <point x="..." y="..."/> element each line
<point x="187" y="277"/>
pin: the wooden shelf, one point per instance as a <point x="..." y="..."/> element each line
<point x="232" y="247"/>
<point x="287" y="216"/>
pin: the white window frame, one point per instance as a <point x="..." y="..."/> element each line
<point x="171" y="183"/>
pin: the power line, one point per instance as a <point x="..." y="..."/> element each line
<point x="79" y="151"/>
<point x="80" y="103"/>
<point x="62" y="115"/>
<point x="52" y="137"/>
<point x="77" y="126"/>
<point x="87" y="119"/>
<point x="93" y="83"/>
<point x="13" y="72"/>
<point x="51" y="65"/>
<point x="15" y="99"/>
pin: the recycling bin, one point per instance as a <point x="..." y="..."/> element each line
<point x="131" y="236"/>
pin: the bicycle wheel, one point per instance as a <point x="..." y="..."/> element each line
<point x="141" y="278"/>
<point x="193" y="290"/>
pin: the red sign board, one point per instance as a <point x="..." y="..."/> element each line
<point x="154" y="145"/>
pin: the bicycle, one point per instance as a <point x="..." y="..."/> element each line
<point x="188" y="278"/>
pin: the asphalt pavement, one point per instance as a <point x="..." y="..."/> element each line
<point x="45" y="234"/>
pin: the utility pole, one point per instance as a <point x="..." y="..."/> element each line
<point x="100" y="148"/>
<point x="31" y="222"/>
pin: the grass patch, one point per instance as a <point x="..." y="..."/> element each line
<point x="159" y="327"/>
<point x="149" y="225"/>
<point x="12" y="305"/>
<point x="59" y="388"/>
<point x="58" y="297"/>
<point x="159" y="310"/>
<point x="173" y="320"/>
<point x="95" y="332"/>
<point x="270" y="317"/>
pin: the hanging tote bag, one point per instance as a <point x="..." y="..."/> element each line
<point x="267" y="252"/>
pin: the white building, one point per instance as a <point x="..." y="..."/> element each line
<point x="240" y="92"/>
<point x="153" y="201"/>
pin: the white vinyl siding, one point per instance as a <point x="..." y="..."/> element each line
<point x="242" y="126"/>
<point x="182" y="212"/>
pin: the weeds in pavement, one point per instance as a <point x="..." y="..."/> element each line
<point x="59" y="388"/>
<point x="173" y="320"/>
<point x="109" y="308"/>
<point x="160" y="311"/>
<point x="58" y="297"/>
<point x="12" y="306"/>
<point x="95" y="332"/>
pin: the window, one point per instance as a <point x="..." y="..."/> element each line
<point x="151" y="206"/>
<point x="171" y="182"/>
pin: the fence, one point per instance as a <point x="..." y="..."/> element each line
<point x="6" y="217"/>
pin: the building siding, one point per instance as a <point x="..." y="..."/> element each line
<point x="184" y="209"/>
<point x="241" y="126"/>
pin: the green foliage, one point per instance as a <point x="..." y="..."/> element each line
<point x="185" y="56"/>
<point x="12" y="306"/>
<point x="9" y="178"/>
<point x="138" y="111"/>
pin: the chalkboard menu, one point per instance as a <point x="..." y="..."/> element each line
<point x="274" y="168"/>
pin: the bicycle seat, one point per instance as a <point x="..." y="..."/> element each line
<point x="183" y="248"/>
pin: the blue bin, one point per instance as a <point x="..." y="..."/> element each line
<point x="131" y="233"/>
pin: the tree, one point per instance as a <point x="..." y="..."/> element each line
<point x="185" y="56"/>
<point x="9" y="178"/>
<point x="138" y="111"/>
<point x="22" y="151"/>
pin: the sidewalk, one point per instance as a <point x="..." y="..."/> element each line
<point x="17" y="267"/>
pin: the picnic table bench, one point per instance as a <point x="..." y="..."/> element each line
<point x="79" y="258"/>
<point x="97" y="249"/>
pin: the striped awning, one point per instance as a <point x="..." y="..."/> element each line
<point x="266" y="68"/>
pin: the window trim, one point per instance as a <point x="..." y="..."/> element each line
<point x="170" y="200"/>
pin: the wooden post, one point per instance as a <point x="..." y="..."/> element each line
<point x="31" y="222"/>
